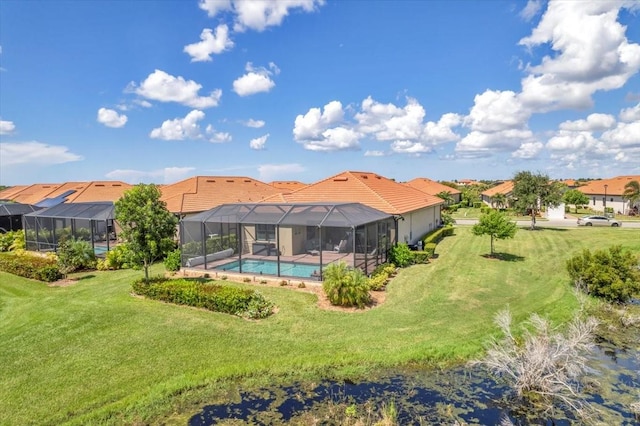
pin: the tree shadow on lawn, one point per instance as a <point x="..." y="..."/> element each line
<point x="543" y="228"/>
<point x="508" y="257"/>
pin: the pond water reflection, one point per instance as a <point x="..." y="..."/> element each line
<point x="466" y="395"/>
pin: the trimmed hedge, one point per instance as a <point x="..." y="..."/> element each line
<point x="28" y="266"/>
<point x="437" y="235"/>
<point x="226" y="299"/>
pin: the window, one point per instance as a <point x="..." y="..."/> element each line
<point x="265" y="232"/>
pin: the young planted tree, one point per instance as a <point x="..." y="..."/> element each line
<point x="495" y="224"/>
<point x="575" y="197"/>
<point x="533" y="191"/>
<point x="148" y="228"/>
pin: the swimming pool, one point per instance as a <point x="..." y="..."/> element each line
<point x="270" y="267"/>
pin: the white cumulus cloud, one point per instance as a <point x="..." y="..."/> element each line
<point x="210" y="44"/>
<point x="215" y="136"/>
<point x="271" y="172"/>
<point x="374" y="153"/>
<point x="495" y="111"/>
<point x="591" y="53"/>
<point x="256" y="80"/>
<point x="111" y="118"/>
<point x="259" y="143"/>
<point x="593" y="122"/>
<point x="7" y="127"/>
<point x="257" y="14"/>
<point x="163" y="87"/>
<point x="180" y="128"/>
<point x="630" y="114"/>
<point x="165" y="175"/>
<point x="311" y="125"/>
<point x="256" y="124"/>
<point x="35" y="153"/>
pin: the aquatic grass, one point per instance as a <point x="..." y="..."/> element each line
<point x="93" y="353"/>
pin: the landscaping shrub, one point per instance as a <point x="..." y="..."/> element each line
<point x="226" y="299"/>
<point x="401" y="255"/>
<point x="477" y="204"/>
<point x="437" y="235"/>
<point x="345" y="286"/>
<point x="421" y="256"/>
<point x="117" y="257"/>
<point x="12" y="241"/>
<point x="378" y="282"/>
<point x="30" y="266"/>
<point x="430" y="249"/>
<point x="74" y="255"/>
<point x="173" y="261"/>
<point x="610" y="274"/>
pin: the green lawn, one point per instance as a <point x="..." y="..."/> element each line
<point x="92" y="353"/>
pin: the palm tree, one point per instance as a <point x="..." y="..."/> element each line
<point x="500" y="200"/>
<point x="446" y="196"/>
<point x="631" y="192"/>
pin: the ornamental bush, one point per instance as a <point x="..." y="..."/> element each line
<point x="74" y="255"/>
<point x="345" y="286"/>
<point x="30" y="266"/>
<point x="611" y="274"/>
<point x="12" y="241"/>
<point x="173" y="261"/>
<point x="401" y="255"/>
<point x="246" y="303"/>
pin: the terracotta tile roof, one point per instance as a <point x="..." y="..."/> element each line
<point x="31" y="194"/>
<point x="83" y="191"/>
<point x="11" y="192"/>
<point x="431" y="186"/>
<point x="367" y="188"/>
<point x="615" y="186"/>
<point x="91" y="191"/>
<point x="504" y="188"/>
<point x="290" y="185"/>
<point x="468" y="182"/>
<point x="201" y="193"/>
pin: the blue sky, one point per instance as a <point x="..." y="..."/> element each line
<point x="157" y="91"/>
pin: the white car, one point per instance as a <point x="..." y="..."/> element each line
<point x="594" y="220"/>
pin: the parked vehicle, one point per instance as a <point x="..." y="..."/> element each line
<point x="595" y="220"/>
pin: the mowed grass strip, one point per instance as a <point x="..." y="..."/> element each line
<point x="93" y="353"/>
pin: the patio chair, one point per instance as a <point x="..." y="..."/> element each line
<point x="342" y="247"/>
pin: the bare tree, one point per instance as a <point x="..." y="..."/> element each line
<point x="544" y="366"/>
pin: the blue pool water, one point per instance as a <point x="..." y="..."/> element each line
<point x="269" y="267"/>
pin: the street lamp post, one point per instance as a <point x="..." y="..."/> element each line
<point x="604" y="200"/>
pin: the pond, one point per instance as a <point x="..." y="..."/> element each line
<point x="464" y="395"/>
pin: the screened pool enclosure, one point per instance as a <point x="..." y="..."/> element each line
<point x="92" y="222"/>
<point x="11" y="215"/>
<point x="286" y="240"/>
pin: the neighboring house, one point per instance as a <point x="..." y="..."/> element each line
<point x="49" y="194"/>
<point x="608" y="193"/>
<point x="505" y="188"/>
<point x="432" y="187"/>
<point x="287" y="185"/>
<point x="416" y="212"/>
<point x="467" y="182"/>
<point x="201" y="193"/>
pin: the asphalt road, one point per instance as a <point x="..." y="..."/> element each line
<point x="552" y="223"/>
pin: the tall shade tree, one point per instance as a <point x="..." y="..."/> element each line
<point x="575" y="197"/>
<point x="533" y="191"/>
<point x="632" y="192"/>
<point x="148" y="228"/>
<point x="496" y="225"/>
